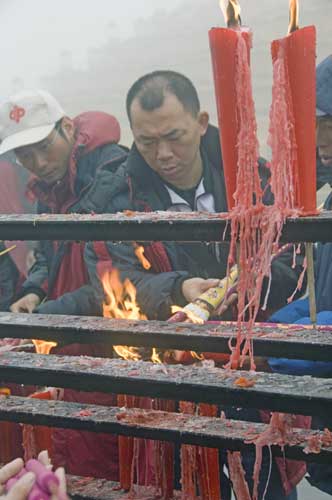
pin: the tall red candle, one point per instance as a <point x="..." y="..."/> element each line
<point x="208" y="462"/>
<point x="126" y="447"/>
<point x="298" y="51"/>
<point x="223" y="45"/>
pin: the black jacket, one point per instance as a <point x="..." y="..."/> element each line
<point x="156" y="292"/>
<point x="9" y="279"/>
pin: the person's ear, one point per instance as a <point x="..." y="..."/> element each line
<point x="68" y="128"/>
<point x="203" y="120"/>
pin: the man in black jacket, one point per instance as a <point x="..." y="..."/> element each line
<point x="175" y="164"/>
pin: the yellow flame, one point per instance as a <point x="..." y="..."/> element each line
<point x="43" y="346"/>
<point x="232" y="12"/>
<point x="197" y="356"/>
<point x="139" y="252"/>
<point x="121" y="304"/>
<point x="293" y="16"/>
<point x="155" y="357"/>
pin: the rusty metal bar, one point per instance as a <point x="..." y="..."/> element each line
<point x="137" y="226"/>
<point x="293" y="341"/>
<point x="175" y="427"/>
<point x="206" y="384"/>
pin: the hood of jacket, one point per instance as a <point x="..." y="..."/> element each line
<point x="324" y="87"/>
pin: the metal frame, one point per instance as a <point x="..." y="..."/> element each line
<point x="158" y="226"/>
<point x="276" y="340"/>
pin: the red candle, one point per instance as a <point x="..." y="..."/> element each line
<point x="37" y="438"/>
<point x="208" y="463"/>
<point x="223" y="45"/>
<point x="126" y="447"/>
<point x="297" y="52"/>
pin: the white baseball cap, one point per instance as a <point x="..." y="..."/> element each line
<point x="27" y="118"/>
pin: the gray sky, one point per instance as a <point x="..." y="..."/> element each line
<point x="35" y="32"/>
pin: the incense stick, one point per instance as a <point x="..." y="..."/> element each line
<point x="309" y="250"/>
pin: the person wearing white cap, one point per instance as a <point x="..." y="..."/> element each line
<point x="72" y="162"/>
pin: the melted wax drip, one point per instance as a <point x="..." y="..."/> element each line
<point x="258" y="227"/>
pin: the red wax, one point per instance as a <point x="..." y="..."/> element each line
<point x="126" y="447"/>
<point x="208" y="463"/>
<point x="300" y="59"/>
<point x="43" y="435"/>
<point x="223" y="44"/>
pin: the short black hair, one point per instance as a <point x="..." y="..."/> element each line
<point x="152" y="88"/>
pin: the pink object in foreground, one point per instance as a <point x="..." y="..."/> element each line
<point x="46" y="479"/>
<point x="38" y="494"/>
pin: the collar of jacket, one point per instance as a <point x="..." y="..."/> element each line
<point x="147" y="186"/>
<point x="93" y="130"/>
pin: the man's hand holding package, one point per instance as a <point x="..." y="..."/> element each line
<point x="26" y="304"/>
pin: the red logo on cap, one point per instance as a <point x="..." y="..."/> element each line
<point x="17" y="114"/>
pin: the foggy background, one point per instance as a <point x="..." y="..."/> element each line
<point x="89" y="53"/>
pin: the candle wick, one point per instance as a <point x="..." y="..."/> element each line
<point x="234" y="23"/>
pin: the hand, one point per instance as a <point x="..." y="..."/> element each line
<point x="226" y="304"/>
<point x="26" y="304"/>
<point x="60" y="472"/>
<point x="194" y="287"/>
<point x="20" y="490"/>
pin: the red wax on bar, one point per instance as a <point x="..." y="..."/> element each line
<point x="223" y="45"/>
<point x="46" y="479"/>
<point x="299" y="51"/>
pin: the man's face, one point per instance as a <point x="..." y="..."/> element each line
<point x="49" y="158"/>
<point x="168" y="138"/>
<point x="324" y="140"/>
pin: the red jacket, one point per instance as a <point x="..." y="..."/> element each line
<point x="94" y="158"/>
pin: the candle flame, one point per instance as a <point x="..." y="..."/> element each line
<point x="232" y="13"/>
<point x="293" y="16"/>
<point x="139" y="252"/>
<point x="121" y="304"/>
<point x="43" y="346"/>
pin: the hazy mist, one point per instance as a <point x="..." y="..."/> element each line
<point x="89" y="53"/>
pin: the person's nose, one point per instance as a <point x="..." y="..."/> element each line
<point x="40" y="162"/>
<point x="164" y="151"/>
